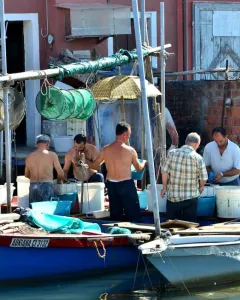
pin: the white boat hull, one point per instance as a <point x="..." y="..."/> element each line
<point x="197" y="264"/>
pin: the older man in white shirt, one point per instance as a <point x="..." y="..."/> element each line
<point x="223" y="158"/>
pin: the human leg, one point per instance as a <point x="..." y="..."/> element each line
<point x="96" y="177"/>
<point x="174" y="210"/>
<point x="115" y="204"/>
<point x="130" y="201"/>
<point x="47" y="191"/>
<point x="34" y="192"/>
<point x="190" y="210"/>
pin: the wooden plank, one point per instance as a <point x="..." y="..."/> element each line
<point x="128" y="225"/>
<point x="206" y="51"/>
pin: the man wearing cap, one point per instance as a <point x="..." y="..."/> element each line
<point x="39" y="167"/>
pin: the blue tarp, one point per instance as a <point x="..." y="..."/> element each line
<point x="59" y="224"/>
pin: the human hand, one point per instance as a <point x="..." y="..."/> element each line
<point x="201" y="189"/>
<point x="217" y="178"/>
<point x="163" y="192"/>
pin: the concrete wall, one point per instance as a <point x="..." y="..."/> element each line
<point x="56" y="26"/>
<point x="197" y="106"/>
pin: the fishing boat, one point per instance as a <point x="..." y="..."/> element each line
<point x="34" y="256"/>
<point x="197" y="257"/>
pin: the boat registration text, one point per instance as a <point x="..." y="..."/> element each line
<point x="29" y="243"/>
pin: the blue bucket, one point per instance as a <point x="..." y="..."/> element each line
<point x="206" y="206"/>
<point x="137" y="175"/>
<point x="60" y="208"/>
<point x="73" y="197"/>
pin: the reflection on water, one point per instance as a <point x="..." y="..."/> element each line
<point x="114" y="285"/>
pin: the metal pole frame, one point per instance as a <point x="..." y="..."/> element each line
<point x="6" y="106"/>
<point x="146" y="119"/>
<point x="163" y="66"/>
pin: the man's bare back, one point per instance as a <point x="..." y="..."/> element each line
<point x="118" y="158"/>
<point x="40" y="164"/>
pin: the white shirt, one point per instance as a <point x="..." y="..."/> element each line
<point x="168" y="117"/>
<point x="221" y="163"/>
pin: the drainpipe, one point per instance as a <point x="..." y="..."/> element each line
<point x="185" y="37"/>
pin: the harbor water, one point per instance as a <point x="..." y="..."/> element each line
<point x="118" y="285"/>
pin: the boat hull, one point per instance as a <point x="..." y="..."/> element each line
<point x="199" y="265"/>
<point x="21" y="260"/>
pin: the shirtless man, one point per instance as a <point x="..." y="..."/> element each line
<point x="39" y="169"/>
<point x="118" y="158"/>
<point x="80" y="156"/>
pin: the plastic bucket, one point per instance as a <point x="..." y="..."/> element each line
<point x="3" y="193"/>
<point x="63" y="143"/>
<point x="93" y="196"/>
<point x="70" y="197"/>
<point x="89" y="103"/>
<point x="55" y="104"/>
<point x="60" y="208"/>
<point x="162" y="202"/>
<point x="137" y="175"/>
<point x="206" y="206"/>
<point x="143" y="199"/>
<point x="228" y="201"/>
<point x="23" y="184"/>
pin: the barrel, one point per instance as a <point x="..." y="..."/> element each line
<point x="228" y="201"/>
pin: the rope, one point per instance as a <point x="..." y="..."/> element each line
<point x="104" y="249"/>
<point x="45" y="85"/>
<point x="103" y="296"/>
<point x="177" y="274"/>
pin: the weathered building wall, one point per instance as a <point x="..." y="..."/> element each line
<point x="197" y="106"/>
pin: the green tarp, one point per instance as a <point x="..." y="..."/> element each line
<point x="59" y="224"/>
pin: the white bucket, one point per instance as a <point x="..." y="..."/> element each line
<point x="23" y="184"/>
<point x="3" y="193"/>
<point x="228" y="201"/>
<point x="209" y="191"/>
<point x="63" y="143"/>
<point x="93" y="196"/>
<point x="162" y="202"/>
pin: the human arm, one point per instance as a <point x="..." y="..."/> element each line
<point x="27" y="170"/>
<point x="58" y="168"/>
<point x="203" y="175"/>
<point x="67" y="165"/>
<point x="235" y="169"/>
<point x="139" y="166"/>
<point x="171" y="129"/>
<point x="165" y="174"/>
<point x="98" y="161"/>
<point x="164" y="182"/>
<point x="92" y="156"/>
<point x="229" y="173"/>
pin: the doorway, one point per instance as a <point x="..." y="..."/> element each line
<point x="15" y="64"/>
